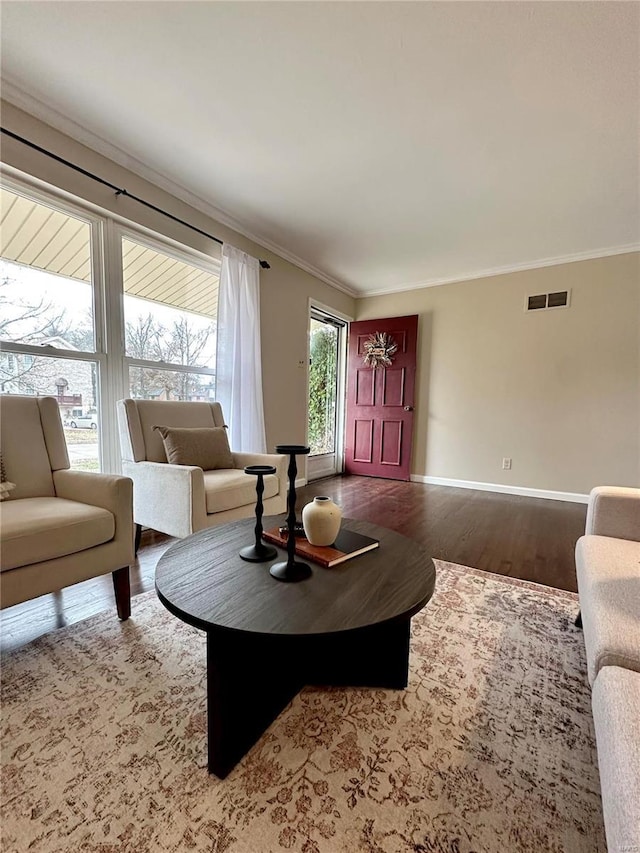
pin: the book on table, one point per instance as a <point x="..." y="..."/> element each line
<point x="348" y="544"/>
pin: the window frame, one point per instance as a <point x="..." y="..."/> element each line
<point x="166" y="247"/>
<point x="112" y="364"/>
<point x="99" y="355"/>
<point x="329" y="464"/>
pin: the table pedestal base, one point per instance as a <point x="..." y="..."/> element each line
<point x="252" y="678"/>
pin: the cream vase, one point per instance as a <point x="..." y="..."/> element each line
<point x="321" y="521"/>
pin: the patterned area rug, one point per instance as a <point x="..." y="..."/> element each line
<point x="489" y="750"/>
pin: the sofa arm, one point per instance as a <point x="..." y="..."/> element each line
<point x="614" y="511"/>
<point x="278" y="461"/>
<point x="616" y="698"/>
<point x="167" y="497"/>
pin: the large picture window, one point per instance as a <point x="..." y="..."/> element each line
<point x="91" y="312"/>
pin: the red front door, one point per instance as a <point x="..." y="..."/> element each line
<point x="379" y="419"/>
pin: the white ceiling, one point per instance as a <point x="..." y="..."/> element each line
<point x="384" y="145"/>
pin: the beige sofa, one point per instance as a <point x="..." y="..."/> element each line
<point x="181" y="499"/>
<point x="608" y="572"/>
<point x="58" y="526"/>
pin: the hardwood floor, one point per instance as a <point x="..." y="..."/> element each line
<point x="526" y="538"/>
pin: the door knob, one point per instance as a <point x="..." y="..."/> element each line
<point x="408" y="408"/>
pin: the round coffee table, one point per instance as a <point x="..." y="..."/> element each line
<point x="348" y="625"/>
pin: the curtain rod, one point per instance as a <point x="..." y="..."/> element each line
<point x="118" y="190"/>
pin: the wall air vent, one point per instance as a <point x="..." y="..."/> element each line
<point x="544" y="301"/>
<point x="536" y="302"/>
<point x="558" y="300"/>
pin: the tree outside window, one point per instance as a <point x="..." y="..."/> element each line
<point x="322" y="387"/>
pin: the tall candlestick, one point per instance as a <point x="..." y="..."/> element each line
<point x="292" y="570"/>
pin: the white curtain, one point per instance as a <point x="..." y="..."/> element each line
<point x="239" y="363"/>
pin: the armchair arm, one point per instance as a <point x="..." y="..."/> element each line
<point x="109" y="491"/>
<point x="166" y="497"/>
<point x="278" y="461"/>
<point x="614" y="511"/>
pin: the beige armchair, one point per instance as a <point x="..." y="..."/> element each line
<point x="179" y="499"/>
<point x="58" y="526"/>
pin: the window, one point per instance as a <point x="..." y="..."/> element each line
<point x="327" y="342"/>
<point x="323" y="365"/>
<point x="91" y="312"/>
<point x="170" y="313"/>
<point x="47" y="319"/>
<point x="46" y="280"/>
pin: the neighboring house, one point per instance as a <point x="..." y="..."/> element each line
<point x="73" y="383"/>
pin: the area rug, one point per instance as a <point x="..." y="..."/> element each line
<point x="489" y="750"/>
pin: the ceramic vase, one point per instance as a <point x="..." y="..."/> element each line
<point x="321" y="521"/>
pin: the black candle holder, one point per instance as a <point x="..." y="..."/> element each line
<point x="259" y="552"/>
<point x="292" y="570"/>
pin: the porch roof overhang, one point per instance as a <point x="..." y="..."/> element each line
<point x="41" y="237"/>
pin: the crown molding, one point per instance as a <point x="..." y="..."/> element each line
<point x="41" y="111"/>
<point x="37" y="109"/>
<point x="523" y="267"/>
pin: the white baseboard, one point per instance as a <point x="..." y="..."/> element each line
<point x="573" y="497"/>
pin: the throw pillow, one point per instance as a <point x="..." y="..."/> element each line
<point x="206" y="447"/>
<point x="5" y="485"/>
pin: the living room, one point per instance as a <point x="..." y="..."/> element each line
<point x="556" y="391"/>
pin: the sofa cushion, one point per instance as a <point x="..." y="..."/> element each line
<point x="233" y="488"/>
<point x="616" y="700"/>
<point x="608" y="572"/>
<point x="37" y="529"/>
<point x="205" y="447"/>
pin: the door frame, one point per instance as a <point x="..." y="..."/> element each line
<point x="329" y="464"/>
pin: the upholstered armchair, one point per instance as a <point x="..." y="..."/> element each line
<point x="179" y="497"/>
<point x="57" y="526"/>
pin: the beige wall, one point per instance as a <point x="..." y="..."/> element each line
<point x="558" y="391"/>
<point x="285" y="288"/>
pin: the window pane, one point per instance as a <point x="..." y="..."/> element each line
<point x="150" y="383"/>
<point x="322" y="387"/>
<point x="170" y="308"/>
<point x="74" y="385"/>
<point x="45" y="276"/>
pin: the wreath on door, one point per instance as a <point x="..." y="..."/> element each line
<point x="379" y="350"/>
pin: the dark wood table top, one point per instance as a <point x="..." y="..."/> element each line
<point x="203" y="581"/>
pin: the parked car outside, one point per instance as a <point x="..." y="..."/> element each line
<point x="84" y="422"/>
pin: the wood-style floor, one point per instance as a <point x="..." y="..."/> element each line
<point x="526" y="538"/>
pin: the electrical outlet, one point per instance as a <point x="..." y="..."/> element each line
<point x="506" y="463"/>
<point x="302" y="363"/>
